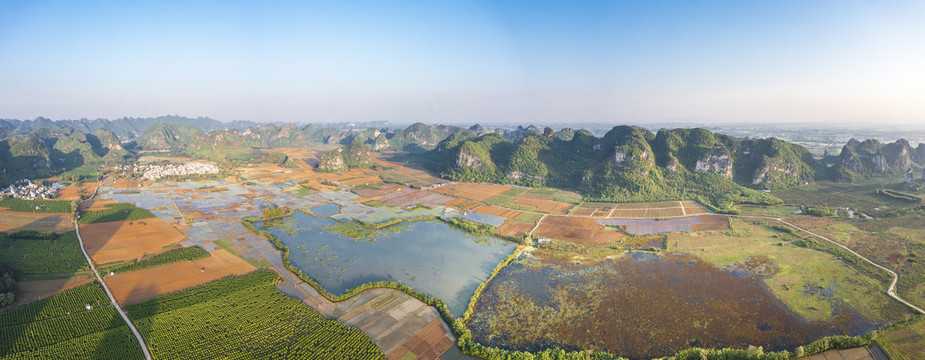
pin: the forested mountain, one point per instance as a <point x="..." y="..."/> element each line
<point x="161" y="136"/>
<point x="871" y="157"/>
<point x="53" y="150"/>
<point x="632" y="164"/>
<point x="125" y="128"/>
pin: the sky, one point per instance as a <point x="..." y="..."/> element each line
<point x="466" y="62"/>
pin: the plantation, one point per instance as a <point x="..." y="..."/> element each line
<point x="62" y="327"/>
<point x="172" y="256"/>
<point x="244" y="317"/>
<point x="42" y="254"/>
<point x="37" y="206"/>
<point x="115" y="212"/>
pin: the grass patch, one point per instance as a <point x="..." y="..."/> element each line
<point x="376" y="203"/>
<point x="498" y="200"/>
<point x="904" y="341"/>
<point x="115" y="212"/>
<point x="527" y="218"/>
<point x="521" y="207"/>
<point x="543" y="191"/>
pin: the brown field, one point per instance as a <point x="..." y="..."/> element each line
<point x="692" y="207"/>
<point x="455" y="189"/>
<point x="575" y="229"/>
<point x="12" y="221"/>
<point x="34" y="290"/>
<point x="488" y="209"/>
<point x="96" y="204"/>
<point x="483" y="192"/>
<point x="136" y="286"/>
<point x="584" y="212"/>
<point x="511" y="228"/>
<point x="120" y="241"/>
<point x="712" y="222"/>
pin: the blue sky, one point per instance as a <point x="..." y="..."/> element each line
<point x="466" y="61"/>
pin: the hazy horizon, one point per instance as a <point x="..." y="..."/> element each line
<point x="842" y="63"/>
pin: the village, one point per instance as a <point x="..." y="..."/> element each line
<point x="154" y="172"/>
<point x="26" y="189"/>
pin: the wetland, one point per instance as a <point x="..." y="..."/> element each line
<point x="643" y="305"/>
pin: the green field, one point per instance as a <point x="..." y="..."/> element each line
<point x="904" y="342"/>
<point x="62" y="327"/>
<point x="244" y="318"/>
<point x="115" y="212"/>
<point x="46" y="256"/>
<point x="37" y="206"/>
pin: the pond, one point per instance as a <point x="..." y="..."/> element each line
<point x="429" y="256"/>
<point x="641" y="305"/>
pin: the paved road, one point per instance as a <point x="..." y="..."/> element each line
<point x="891" y="291"/>
<point x="144" y="347"/>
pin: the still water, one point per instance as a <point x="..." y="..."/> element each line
<point x="429" y="256"/>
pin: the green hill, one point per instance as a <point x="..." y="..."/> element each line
<point x="632" y="164"/>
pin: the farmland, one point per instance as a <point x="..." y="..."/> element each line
<point x="906" y="342"/>
<point x="136" y="286"/>
<point x="118" y="241"/>
<point x="37" y="206"/>
<point x="11" y="221"/>
<point x="114" y="212"/>
<point x="58" y="254"/>
<point x="244" y="317"/>
<point x="63" y="327"/>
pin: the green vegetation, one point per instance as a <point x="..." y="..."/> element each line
<point x="796" y="263"/>
<point x="172" y="256"/>
<point x="115" y="212"/>
<point x="8" y="287"/>
<point x="275" y="212"/>
<point x="904" y="340"/>
<point x="899" y="195"/>
<point x="62" y="326"/>
<point x="244" y="317"/>
<point x="354" y="155"/>
<point x="37" y="206"/>
<point x="820" y="211"/>
<point x="362" y="232"/>
<point x="60" y="254"/>
<point x="643" y="167"/>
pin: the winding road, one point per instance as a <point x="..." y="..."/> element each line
<point x="891" y="291"/>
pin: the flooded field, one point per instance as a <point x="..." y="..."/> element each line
<point x="429" y="256"/>
<point x="642" y="305"/>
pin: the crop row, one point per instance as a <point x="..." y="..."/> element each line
<point x="200" y="294"/>
<point x="68" y="302"/>
<point x="116" y="343"/>
<point x="38" y="334"/>
<point x="172" y="256"/>
<point x="32" y="256"/>
<point x="255" y="321"/>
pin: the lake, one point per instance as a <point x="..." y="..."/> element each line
<point x="429" y="256"/>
